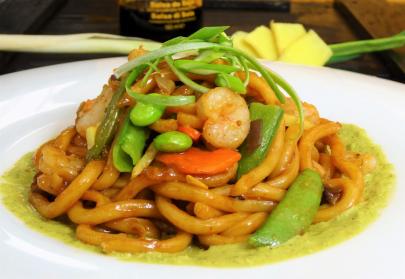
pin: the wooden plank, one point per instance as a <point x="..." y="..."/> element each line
<point x="24" y="16"/>
<point x="377" y="19"/>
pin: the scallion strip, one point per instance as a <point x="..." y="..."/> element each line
<point x="207" y="33"/>
<point x="365" y="46"/>
<point x="160" y="53"/>
<point x="154" y="98"/>
<point x="203" y="68"/>
<point x="185" y="79"/>
<point x="162" y="100"/>
<point x="246" y="70"/>
<point x="152" y="67"/>
<point x="294" y="96"/>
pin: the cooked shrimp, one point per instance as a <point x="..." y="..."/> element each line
<point x="54" y="161"/>
<point x="226" y="117"/>
<point x="91" y="112"/>
<point x="137" y="52"/>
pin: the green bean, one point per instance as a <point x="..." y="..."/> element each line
<point x="231" y="82"/>
<point x="203" y="68"/>
<point x="146" y="114"/>
<point x="294" y="213"/>
<point x="107" y="128"/>
<point x="173" y="141"/>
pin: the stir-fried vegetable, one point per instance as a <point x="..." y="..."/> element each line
<point x="105" y="131"/>
<point x="265" y="120"/>
<point x="197" y="161"/>
<point x="209" y="43"/>
<point x="294" y="213"/>
<point x="173" y="141"/>
<point x="204" y="46"/>
<point x="146" y="114"/>
<point x="129" y="146"/>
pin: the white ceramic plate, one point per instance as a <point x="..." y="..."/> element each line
<point x="36" y="104"/>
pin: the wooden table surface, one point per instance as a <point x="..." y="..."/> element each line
<point x="78" y="16"/>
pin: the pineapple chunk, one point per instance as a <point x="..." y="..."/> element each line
<point x="286" y="34"/>
<point x="262" y="41"/>
<point x="307" y="50"/>
<point x="239" y="43"/>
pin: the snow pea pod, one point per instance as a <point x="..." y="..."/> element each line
<point x="129" y="145"/>
<point x="265" y="120"/>
<point x="294" y="213"/>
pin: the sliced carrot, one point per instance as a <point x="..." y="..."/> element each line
<point x="197" y="161"/>
<point x="190" y="131"/>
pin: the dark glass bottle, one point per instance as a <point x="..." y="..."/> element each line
<point x="159" y="20"/>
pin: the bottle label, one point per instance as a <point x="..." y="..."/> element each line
<point x="173" y="15"/>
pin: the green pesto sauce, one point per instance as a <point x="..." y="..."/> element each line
<point x="15" y="184"/>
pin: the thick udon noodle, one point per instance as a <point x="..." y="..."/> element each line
<point x="162" y="210"/>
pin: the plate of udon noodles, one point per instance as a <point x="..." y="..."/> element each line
<point x="197" y="160"/>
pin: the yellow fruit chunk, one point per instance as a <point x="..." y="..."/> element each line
<point x="239" y="43"/>
<point x="91" y="136"/>
<point x="310" y="49"/>
<point x="262" y="41"/>
<point x="286" y="34"/>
